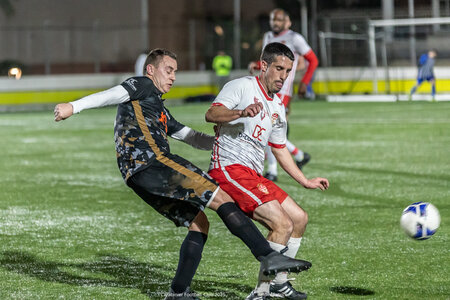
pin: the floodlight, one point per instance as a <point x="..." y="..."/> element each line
<point x="15" y="72"/>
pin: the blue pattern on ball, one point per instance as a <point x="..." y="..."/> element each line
<point x="419" y="231"/>
<point x="423" y="209"/>
<point x="410" y="208"/>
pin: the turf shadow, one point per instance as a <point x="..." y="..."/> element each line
<point x="351" y="290"/>
<point x="114" y="271"/>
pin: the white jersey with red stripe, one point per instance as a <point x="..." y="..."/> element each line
<point x="242" y="141"/>
<point x="297" y="43"/>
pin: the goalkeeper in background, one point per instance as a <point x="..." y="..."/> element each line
<point x="425" y="72"/>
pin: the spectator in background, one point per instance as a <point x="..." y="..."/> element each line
<point x="425" y="72"/>
<point x="222" y="64"/>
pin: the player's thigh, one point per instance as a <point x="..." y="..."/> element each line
<point x="220" y="198"/>
<point x="184" y="178"/>
<point x="295" y="211"/>
<point x="176" y="203"/>
<point x="181" y="213"/>
<point x="174" y="177"/>
<point x="273" y="216"/>
<point x="247" y="188"/>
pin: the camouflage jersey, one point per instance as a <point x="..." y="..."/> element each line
<point x="141" y="127"/>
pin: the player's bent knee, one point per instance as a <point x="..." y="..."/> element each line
<point x="288" y="226"/>
<point x="220" y="198"/>
<point x="302" y="217"/>
<point x="200" y="223"/>
<point x="283" y="226"/>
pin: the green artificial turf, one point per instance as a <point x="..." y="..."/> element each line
<point x="71" y="229"/>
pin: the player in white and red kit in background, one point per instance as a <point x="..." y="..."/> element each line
<point x="250" y="116"/>
<point x="280" y="24"/>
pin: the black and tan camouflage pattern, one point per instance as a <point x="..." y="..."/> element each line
<point x="172" y="185"/>
<point x="133" y="151"/>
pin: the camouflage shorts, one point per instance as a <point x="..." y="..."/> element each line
<point x="175" y="188"/>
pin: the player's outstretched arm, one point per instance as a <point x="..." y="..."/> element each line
<point x="114" y="95"/>
<point x="285" y="160"/>
<point x="63" y="111"/>
<point x="222" y="114"/>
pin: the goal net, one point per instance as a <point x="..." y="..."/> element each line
<point x="393" y="49"/>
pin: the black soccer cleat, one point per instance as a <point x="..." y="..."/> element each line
<point x="275" y="262"/>
<point x="271" y="177"/>
<point x="304" y="161"/>
<point x="186" y="295"/>
<point x="286" y="290"/>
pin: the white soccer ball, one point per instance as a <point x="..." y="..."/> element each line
<point x="420" y="220"/>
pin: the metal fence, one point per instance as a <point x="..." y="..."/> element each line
<point x="50" y="49"/>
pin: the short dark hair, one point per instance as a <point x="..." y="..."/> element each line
<point x="272" y="50"/>
<point x="155" y="56"/>
<point x="285" y="14"/>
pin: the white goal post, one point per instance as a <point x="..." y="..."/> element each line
<point x="373" y="24"/>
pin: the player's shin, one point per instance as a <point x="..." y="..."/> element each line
<point x="190" y="256"/>
<point x="263" y="284"/>
<point x="242" y="227"/>
<point x="292" y="248"/>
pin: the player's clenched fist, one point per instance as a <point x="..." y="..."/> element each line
<point x="63" y="111"/>
<point x="252" y="110"/>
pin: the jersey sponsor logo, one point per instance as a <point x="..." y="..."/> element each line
<point x="262" y="188"/>
<point x="249" y="139"/>
<point x="257" y="132"/>
<point x="163" y="120"/>
<point x="274" y="118"/>
<point x="131" y="83"/>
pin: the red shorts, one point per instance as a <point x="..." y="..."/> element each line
<point x="247" y="188"/>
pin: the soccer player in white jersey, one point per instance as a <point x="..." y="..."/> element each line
<point x="250" y="116"/>
<point x="280" y="32"/>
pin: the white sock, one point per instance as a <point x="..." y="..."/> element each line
<point x="298" y="154"/>
<point x="271" y="162"/>
<point x="264" y="281"/>
<point x="293" y="245"/>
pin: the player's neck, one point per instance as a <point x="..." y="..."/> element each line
<point x="263" y="85"/>
<point x="280" y="33"/>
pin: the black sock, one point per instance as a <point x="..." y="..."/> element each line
<point x="190" y="256"/>
<point x="242" y="227"/>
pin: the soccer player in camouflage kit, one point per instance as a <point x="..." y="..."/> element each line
<point x="170" y="184"/>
